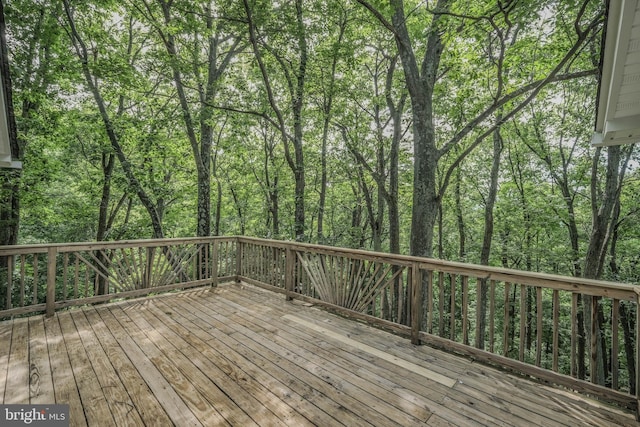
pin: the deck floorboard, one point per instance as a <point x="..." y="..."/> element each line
<point x="239" y="355"/>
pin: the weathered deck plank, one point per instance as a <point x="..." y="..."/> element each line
<point x="352" y="389"/>
<point x="245" y="374"/>
<point x="195" y="400"/>
<point x="513" y="395"/>
<point x="64" y="384"/>
<point x="40" y="380"/>
<point x="232" y="381"/>
<point x="239" y="355"/>
<point x="390" y="377"/>
<point x="172" y="403"/>
<point x="145" y="402"/>
<point x="17" y="388"/>
<point x="120" y="404"/>
<point x="6" y="329"/>
<point x="393" y="378"/>
<point x="94" y="402"/>
<point x="315" y="405"/>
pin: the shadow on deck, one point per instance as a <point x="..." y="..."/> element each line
<point x="239" y="355"/>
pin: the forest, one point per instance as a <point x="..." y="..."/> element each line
<point x="453" y="129"/>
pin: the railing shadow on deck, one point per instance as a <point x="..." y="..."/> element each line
<point x="577" y="333"/>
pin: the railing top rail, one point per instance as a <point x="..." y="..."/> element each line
<point x="587" y="286"/>
<point x="80" y="246"/>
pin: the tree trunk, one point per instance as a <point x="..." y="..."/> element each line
<point x="108" y="161"/>
<point x="462" y="251"/>
<point x="627" y="317"/>
<point x="9" y="178"/>
<point x="327" y="105"/>
<point x="420" y="84"/>
<point x="81" y="51"/>
<point x="487" y="238"/>
<point x="598" y="242"/>
<point x="296" y="163"/>
<point x="201" y="147"/>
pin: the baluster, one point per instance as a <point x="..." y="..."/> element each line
<point x="65" y="273"/>
<point x="9" y="281"/>
<point x="505" y="327"/>
<point x="416" y="303"/>
<point x="492" y="314"/>
<point x="288" y="273"/>
<point x="52" y="255"/>
<point x="574" y="334"/>
<point x="539" y="325"/>
<point x="595" y="330"/>
<point x="614" y="343"/>
<point x="214" y="264"/>
<point x="452" y="308"/>
<point x="556" y="328"/>
<point x="430" y="301"/>
<point x="465" y="310"/>
<point x="35" y="279"/>
<point x="523" y="321"/>
<point x="23" y="261"/>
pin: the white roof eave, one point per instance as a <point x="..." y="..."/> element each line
<point x="618" y="114"/>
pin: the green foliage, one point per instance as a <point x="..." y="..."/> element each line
<point x="487" y="53"/>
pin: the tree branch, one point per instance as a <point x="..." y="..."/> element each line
<point x="376" y="13"/>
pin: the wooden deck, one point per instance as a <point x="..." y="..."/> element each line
<point x="241" y="356"/>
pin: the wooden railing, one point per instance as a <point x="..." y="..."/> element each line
<point x="573" y="332"/>
<point x="37" y="278"/>
<point x="537" y="325"/>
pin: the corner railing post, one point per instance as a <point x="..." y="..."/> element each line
<point x="9" y="263"/>
<point x="288" y="272"/>
<point x="416" y="303"/>
<point x="52" y="254"/>
<point x="214" y="264"/>
<point x="238" y="260"/>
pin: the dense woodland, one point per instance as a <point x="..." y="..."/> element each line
<point x="454" y="129"/>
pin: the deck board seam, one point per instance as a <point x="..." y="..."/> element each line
<point x="300" y="357"/>
<point x="242" y="343"/>
<point x="172" y="402"/>
<point x="169" y="370"/>
<point x="374" y="369"/>
<point x="242" y="340"/>
<point x="201" y="365"/>
<point x="105" y="337"/>
<point x="259" y="293"/>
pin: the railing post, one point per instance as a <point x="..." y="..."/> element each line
<point x="10" y="263"/>
<point x="595" y="331"/>
<point x="288" y="272"/>
<point x="238" y="260"/>
<point x="214" y="264"/>
<point x="52" y="254"/>
<point x="416" y="303"/>
<point x="637" y="355"/>
<point x="148" y="274"/>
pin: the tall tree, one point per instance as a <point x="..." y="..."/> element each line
<point x="328" y="94"/>
<point x="295" y="73"/>
<point x="92" y="80"/>
<point x="422" y="71"/>
<point x="204" y="52"/>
